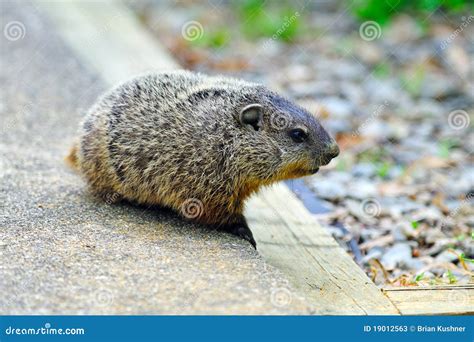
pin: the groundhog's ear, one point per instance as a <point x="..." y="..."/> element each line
<point x="252" y="115"/>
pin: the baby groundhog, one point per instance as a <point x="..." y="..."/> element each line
<point x="200" y="145"/>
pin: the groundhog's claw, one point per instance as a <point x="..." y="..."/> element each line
<point x="246" y="234"/>
<point x="243" y="232"/>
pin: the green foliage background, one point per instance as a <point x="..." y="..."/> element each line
<point x="382" y="10"/>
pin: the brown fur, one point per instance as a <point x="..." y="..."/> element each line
<point x="174" y="138"/>
<point x="71" y="158"/>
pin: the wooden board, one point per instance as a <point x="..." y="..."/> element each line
<point x="290" y="238"/>
<point x="433" y="300"/>
<point x="108" y="37"/>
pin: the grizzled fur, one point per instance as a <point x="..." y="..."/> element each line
<point x="167" y="138"/>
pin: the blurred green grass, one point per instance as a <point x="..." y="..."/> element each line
<point x="260" y="20"/>
<point x="382" y="11"/>
<point x="285" y="21"/>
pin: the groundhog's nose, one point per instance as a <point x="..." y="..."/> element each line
<point x="332" y="151"/>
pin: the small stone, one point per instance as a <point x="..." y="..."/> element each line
<point x="329" y="190"/>
<point x="297" y="72"/>
<point x="425" y="108"/>
<point x="403" y="205"/>
<point x="347" y="71"/>
<point x="312" y="89"/>
<point x="387" y="92"/>
<point x="363" y="170"/>
<point x="336" y="232"/>
<point x="448" y="256"/>
<point x="338" y="107"/>
<point x="340" y="177"/>
<point x="373" y="253"/>
<point x="353" y="93"/>
<point x="368" y="52"/>
<point x="270" y="47"/>
<point x="398" y="253"/>
<point x="429" y="214"/>
<point x="458" y="59"/>
<point x="338" y="125"/>
<point x="452" y="205"/>
<point x="362" y="189"/>
<point x="376" y="129"/>
<point x="399" y="233"/>
<point x="462" y="185"/>
<point x="412" y="264"/>
<point x="437" y="86"/>
<point x="356" y="209"/>
<point x="403" y="29"/>
<point x="428" y="275"/>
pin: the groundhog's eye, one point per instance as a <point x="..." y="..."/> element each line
<point x="298" y="135"/>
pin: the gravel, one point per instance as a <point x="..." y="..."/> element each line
<point x="399" y="107"/>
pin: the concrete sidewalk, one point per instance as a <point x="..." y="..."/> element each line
<point x="64" y="252"/>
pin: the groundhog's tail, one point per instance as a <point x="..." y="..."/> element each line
<point x="71" y="158"/>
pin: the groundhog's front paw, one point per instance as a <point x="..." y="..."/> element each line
<point x="244" y="232"/>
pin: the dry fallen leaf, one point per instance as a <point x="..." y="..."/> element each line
<point x="438" y="201"/>
<point x="345" y="140"/>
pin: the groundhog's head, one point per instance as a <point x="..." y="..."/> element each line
<point x="282" y="140"/>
